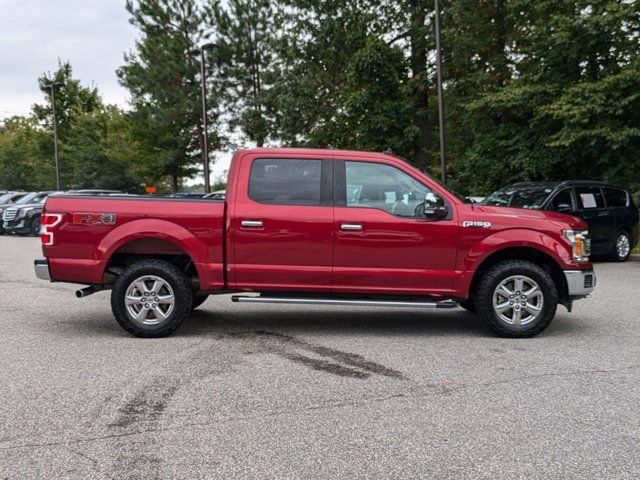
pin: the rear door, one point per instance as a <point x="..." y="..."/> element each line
<point x="383" y="244"/>
<point x="593" y="210"/>
<point x="281" y="224"/>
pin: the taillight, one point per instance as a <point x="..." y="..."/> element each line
<point x="48" y="223"/>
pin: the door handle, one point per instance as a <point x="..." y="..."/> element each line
<point x="251" y="223"/>
<point x="351" y="226"/>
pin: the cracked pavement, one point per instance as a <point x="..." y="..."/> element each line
<point x="267" y="391"/>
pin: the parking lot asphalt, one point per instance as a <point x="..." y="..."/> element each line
<point x="251" y="391"/>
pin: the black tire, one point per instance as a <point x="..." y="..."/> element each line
<point x="35" y="227"/>
<point x="169" y="274"/>
<point x="500" y="272"/>
<point x="198" y="300"/>
<point x="469" y="305"/>
<point x="617" y="256"/>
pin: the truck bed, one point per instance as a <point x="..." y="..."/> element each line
<point x="95" y="229"/>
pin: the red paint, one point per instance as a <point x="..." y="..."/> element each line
<point x="301" y="248"/>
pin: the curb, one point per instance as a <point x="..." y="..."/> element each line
<point x="634" y="257"/>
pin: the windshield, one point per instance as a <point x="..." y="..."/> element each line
<point x="26" y="199"/>
<point x="5" y="197"/>
<point x="531" y="197"/>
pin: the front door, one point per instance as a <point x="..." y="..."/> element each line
<point x="281" y="234"/>
<point x="383" y="244"/>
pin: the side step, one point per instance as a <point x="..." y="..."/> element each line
<point x="341" y="301"/>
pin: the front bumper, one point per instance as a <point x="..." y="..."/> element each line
<point x="580" y="283"/>
<point x="41" y="266"/>
<point x="16" y="226"/>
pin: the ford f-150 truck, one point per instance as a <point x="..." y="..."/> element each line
<point x="318" y="227"/>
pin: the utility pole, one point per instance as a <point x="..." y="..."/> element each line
<point x="203" y="94"/>
<point x="52" y="91"/>
<point x="443" y="159"/>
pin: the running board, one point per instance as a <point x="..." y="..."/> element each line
<point x="347" y="302"/>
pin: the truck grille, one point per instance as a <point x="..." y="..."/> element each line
<point x="9" y="214"/>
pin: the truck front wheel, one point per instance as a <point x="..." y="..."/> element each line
<point x="151" y="298"/>
<point x="516" y="298"/>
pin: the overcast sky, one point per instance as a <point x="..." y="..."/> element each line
<point x="34" y="34"/>
<point x="92" y="34"/>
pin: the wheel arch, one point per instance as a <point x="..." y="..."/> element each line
<point x="527" y="253"/>
<point x="145" y="239"/>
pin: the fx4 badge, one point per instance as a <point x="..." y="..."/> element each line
<point x="95" y="218"/>
<point x="469" y="223"/>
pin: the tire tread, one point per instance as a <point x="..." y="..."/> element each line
<point x="484" y="297"/>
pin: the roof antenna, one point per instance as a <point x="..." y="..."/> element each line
<point x="388" y="151"/>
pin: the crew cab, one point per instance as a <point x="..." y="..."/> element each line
<point x="318" y="227"/>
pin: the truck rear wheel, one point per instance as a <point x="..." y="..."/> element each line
<point x="151" y="298"/>
<point x="516" y="299"/>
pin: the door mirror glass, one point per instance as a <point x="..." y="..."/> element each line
<point x="435" y="206"/>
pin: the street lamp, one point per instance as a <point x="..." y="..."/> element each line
<point x="52" y="91"/>
<point x="203" y="93"/>
<point x="443" y="161"/>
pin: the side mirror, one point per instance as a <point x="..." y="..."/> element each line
<point x="434" y="207"/>
<point x="440" y="213"/>
<point x="564" y="208"/>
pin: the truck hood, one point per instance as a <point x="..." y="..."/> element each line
<point x="518" y="215"/>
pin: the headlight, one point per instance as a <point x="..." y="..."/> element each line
<point x="24" y="211"/>
<point x="580" y="244"/>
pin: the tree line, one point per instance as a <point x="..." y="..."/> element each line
<point x="534" y="90"/>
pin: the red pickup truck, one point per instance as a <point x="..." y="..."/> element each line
<point x="318" y="227"/>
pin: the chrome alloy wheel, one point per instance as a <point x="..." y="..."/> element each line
<point x="623" y="246"/>
<point x="149" y="300"/>
<point x="518" y="300"/>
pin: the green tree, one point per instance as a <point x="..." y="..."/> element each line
<point x="164" y="84"/>
<point x="245" y="34"/>
<point x="379" y="105"/>
<point x="567" y="105"/>
<point x="26" y="153"/>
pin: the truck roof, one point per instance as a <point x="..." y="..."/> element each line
<point x="316" y="151"/>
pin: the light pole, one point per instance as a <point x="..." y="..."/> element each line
<point x="52" y="91"/>
<point x="443" y="159"/>
<point x="203" y="93"/>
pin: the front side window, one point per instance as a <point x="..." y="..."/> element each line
<point x="375" y="185"/>
<point x="615" y="197"/>
<point x="283" y="181"/>
<point x="563" y="202"/>
<point x="590" y="197"/>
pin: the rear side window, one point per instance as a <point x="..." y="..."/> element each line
<point x="615" y="197"/>
<point x="283" y="181"/>
<point x="590" y="197"/>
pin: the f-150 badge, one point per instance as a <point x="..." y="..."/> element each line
<point x="95" y="218"/>
<point x="469" y="223"/>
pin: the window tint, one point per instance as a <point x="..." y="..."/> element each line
<point x="590" y="197"/>
<point x="615" y="197"/>
<point x="374" y="185"/>
<point x="285" y="181"/>
<point x="563" y="201"/>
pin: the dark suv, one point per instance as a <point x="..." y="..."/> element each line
<point x="23" y="217"/>
<point x="609" y="210"/>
